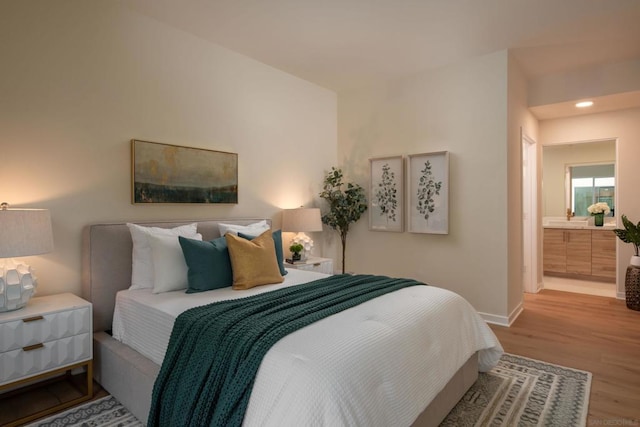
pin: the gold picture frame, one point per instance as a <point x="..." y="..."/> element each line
<point x="166" y="173"/>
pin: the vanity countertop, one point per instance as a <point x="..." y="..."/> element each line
<point x="569" y="226"/>
<point x="577" y="223"/>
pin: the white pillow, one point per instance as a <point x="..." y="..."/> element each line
<point x="169" y="267"/>
<point x="141" y="262"/>
<point x="254" y="229"/>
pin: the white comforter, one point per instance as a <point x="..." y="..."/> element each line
<point x="377" y="364"/>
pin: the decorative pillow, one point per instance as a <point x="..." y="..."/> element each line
<point x="253" y="261"/>
<point x="277" y="240"/>
<point x="169" y="267"/>
<point x="209" y="264"/>
<point x="252" y="229"/>
<point x="142" y="264"/>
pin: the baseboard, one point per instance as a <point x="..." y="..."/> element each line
<point x="495" y="320"/>
<point x="503" y="320"/>
<point x="540" y="287"/>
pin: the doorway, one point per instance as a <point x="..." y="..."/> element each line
<point x="572" y="172"/>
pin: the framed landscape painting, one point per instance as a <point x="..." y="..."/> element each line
<point x="386" y="198"/>
<point x="428" y="206"/>
<point x="164" y="173"/>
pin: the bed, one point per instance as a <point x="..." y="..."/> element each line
<point x="127" y="369"/>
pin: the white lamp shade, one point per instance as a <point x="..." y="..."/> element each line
<point x="25" y="232"/>
<point x="301" y="219"/>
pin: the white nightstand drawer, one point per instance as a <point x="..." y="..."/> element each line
<point x="42" y="357"/>
<point x="42" y="328"/>
<point x="49" y="337"/>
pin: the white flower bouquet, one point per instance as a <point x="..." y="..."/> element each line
<point x="599" y="208"/>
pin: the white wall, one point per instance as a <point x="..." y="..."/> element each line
<point x="520" y="123"/>
<point x="624" y="126"/>
<point x="79" y="79"/>
<point x="587" y="82"/>
<point x="461" y="109"/>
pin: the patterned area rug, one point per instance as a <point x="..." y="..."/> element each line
<point x="517" y="392"/>
<point x="104" y="412"/>
<point x="524" y="392"/>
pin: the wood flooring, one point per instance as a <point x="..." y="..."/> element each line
<point x="592" y="333"/>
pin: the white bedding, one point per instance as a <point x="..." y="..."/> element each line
<point x="401" y="349"/>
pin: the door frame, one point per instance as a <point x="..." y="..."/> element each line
<point x="530" y="229"/>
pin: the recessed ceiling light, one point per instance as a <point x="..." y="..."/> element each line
<point x="584" y="104"/>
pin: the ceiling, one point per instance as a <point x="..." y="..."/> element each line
<point x="344" y="44"/>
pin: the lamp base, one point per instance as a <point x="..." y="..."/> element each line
<point x="17" y="285"/>
<point x="306" y="242"/>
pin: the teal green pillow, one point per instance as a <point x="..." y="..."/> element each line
<point x="277" y="241"/>
<point x="209" y="264"/>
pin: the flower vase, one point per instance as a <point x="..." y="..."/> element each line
<point x="598" y="219"/>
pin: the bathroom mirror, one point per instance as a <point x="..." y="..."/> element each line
<point x="576" y="175"/>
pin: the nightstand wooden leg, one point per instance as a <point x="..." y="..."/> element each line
<point x="57" y="408"/>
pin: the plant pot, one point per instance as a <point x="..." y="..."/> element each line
<point x="632" y="287"/>
<point x="296" y="256"/>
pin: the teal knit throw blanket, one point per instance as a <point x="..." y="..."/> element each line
<point x="215" y="350"/>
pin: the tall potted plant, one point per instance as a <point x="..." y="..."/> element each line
<point x="631" y="234"/>
<point x="347" y="202"/>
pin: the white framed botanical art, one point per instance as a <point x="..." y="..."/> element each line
<point x="386" y="195"/>
<point x="428" y="193"/>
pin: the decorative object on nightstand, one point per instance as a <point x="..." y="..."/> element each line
<point x="631" y="234"/>
<point x="23" y="232"/>
<point x="298" y="221"/>
<point x="296" y="251"/>
<point x="317" y="264"/>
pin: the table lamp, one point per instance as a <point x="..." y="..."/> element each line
<point x="23" y="232"/>
<point x="300" y="220"/>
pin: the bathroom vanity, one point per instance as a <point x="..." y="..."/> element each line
<point x="580" y="251"/>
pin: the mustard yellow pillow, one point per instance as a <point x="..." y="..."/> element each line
<point x="253" y="262"/>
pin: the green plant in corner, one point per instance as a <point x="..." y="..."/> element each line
<point x="347" y="202"/>
<point x="630" y="234"/>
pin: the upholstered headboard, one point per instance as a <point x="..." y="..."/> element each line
<point x="106" y="261"/>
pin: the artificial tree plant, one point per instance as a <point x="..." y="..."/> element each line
<point x="347" y="202"/>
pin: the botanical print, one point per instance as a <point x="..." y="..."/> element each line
<point x="164" y="173"/>
<point x="428" y="187"/>
<point x="386" y="194"/>
<point x="428" y="207"/>
<point x="386" y="209"/>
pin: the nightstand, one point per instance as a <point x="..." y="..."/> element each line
<point x="317" y="264"/>
<point x="50" y="336"/>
